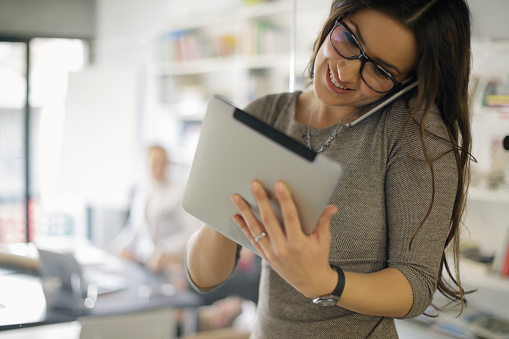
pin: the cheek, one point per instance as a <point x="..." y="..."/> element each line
<point x="371" y="98"/>
<point x="324" y="53"/>
<point x="368" y="95"/>
<point x="318" y="62"/>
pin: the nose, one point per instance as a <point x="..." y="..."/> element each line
<point x="349" y="71"/>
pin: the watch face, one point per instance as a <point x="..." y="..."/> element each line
<point x="326" y="301"/>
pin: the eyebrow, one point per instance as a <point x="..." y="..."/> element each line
<point x="379" y="61"/>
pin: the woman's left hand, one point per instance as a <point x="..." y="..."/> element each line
<point x="302" y="260"/>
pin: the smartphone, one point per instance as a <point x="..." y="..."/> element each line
<point x="407" y="86"/>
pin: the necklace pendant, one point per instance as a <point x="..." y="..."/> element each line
<point x="307" y="139"/>
<point x="307" y="135"/>
<point x="327" y="142"/>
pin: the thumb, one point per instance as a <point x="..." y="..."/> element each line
<point x="323" y="226"/>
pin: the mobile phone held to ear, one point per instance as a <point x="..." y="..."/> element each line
<point x="406" y="87"/>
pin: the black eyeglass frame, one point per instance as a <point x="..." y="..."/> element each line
<point x="363" y="57"/>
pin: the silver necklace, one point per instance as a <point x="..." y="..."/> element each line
<point x="307" y="135"/>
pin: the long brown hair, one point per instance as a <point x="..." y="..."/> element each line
<point x="442" y="30"/>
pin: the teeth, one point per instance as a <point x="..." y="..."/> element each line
<point x="334" y="81"/>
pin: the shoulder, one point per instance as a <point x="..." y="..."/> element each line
<point x="405" y="120"/>
<point x="269" y="107"/>
<point x="405" y="111"/>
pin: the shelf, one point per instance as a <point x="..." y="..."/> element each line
<point x="499" y="115"/>
<point x="211" y="65"/>
<point x="236" y="14"/>
<point x="500" y="195"/>
<point x="474" y="277"/>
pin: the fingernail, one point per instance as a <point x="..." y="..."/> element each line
<point x="255" y="186"/>
<point x="280" y="187"/>
<point x="235" y="199"/>
<point x="333" y="209"/>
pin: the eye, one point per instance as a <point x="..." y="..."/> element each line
<point x="380" y="72"/>
<point x="350" y="39"/>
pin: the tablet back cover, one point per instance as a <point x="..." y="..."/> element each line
<point x="236" y="148"/>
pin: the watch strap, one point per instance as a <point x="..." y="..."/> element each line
<point x="340" y="286"/>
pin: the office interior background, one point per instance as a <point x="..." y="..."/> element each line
<point x="87" y="85"/>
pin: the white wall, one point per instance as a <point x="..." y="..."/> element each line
<point x="490" y="18"/>
<point x="126" y="34"/>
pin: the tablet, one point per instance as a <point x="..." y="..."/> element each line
<point x="236" y="148"/>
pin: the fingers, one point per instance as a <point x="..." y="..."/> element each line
<point x="265" y="233"/>
<point x="246" y="218"/>
<point x="248" y="223"/>
<point x="323" y="225"/>
<point x="269" y="221"/>
<point x="289" y="212"/>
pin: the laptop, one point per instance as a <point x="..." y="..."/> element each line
<point x="236" y="148"/>
<point x="67" y="285"/>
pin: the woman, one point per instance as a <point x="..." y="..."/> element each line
<point x="378" y="251"/>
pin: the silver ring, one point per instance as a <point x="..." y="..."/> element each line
<point x="260" y="237"/>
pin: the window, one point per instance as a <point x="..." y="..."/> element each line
<point x="33" y="83"/>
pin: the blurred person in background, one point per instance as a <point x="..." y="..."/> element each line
<point x="157" y="227"/>
<point x="156" y="234"/>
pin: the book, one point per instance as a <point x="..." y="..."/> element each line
<point x="496" y="93"/>
<point x="473" y="323"/>
<point x="501" y="259"/>
<point x="504" y="272"/>
<point x="487" y="325"/>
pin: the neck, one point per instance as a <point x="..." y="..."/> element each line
<point x="318" y="115"/>
<point x="157" y="181"/>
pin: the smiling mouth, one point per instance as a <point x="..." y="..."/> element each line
<point x="334" y="82"/>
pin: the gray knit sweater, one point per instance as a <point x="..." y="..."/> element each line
<point x="382" y="199"/>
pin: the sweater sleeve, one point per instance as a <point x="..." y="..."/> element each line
<point x="210" y="289"/>
<point x="414" y="188"/>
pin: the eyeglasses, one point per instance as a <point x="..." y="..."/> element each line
<point x="346" y="45"/>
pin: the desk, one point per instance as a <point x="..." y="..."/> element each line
<point x="22" y="302"/>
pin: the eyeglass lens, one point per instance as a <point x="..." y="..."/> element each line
<point x="346" y="46"/>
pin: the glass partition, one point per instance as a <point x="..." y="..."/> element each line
<point x="12" y="121"/>
<point x="31" y="120"/>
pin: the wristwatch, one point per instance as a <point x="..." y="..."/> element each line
<point x="333" y="299"/>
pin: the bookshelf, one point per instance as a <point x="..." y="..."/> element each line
<point x="487" y="216"/>
<point x="241" y="53"/>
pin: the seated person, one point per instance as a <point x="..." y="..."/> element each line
<point x="158" y="227"/>
<point x="156" y="234"/>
